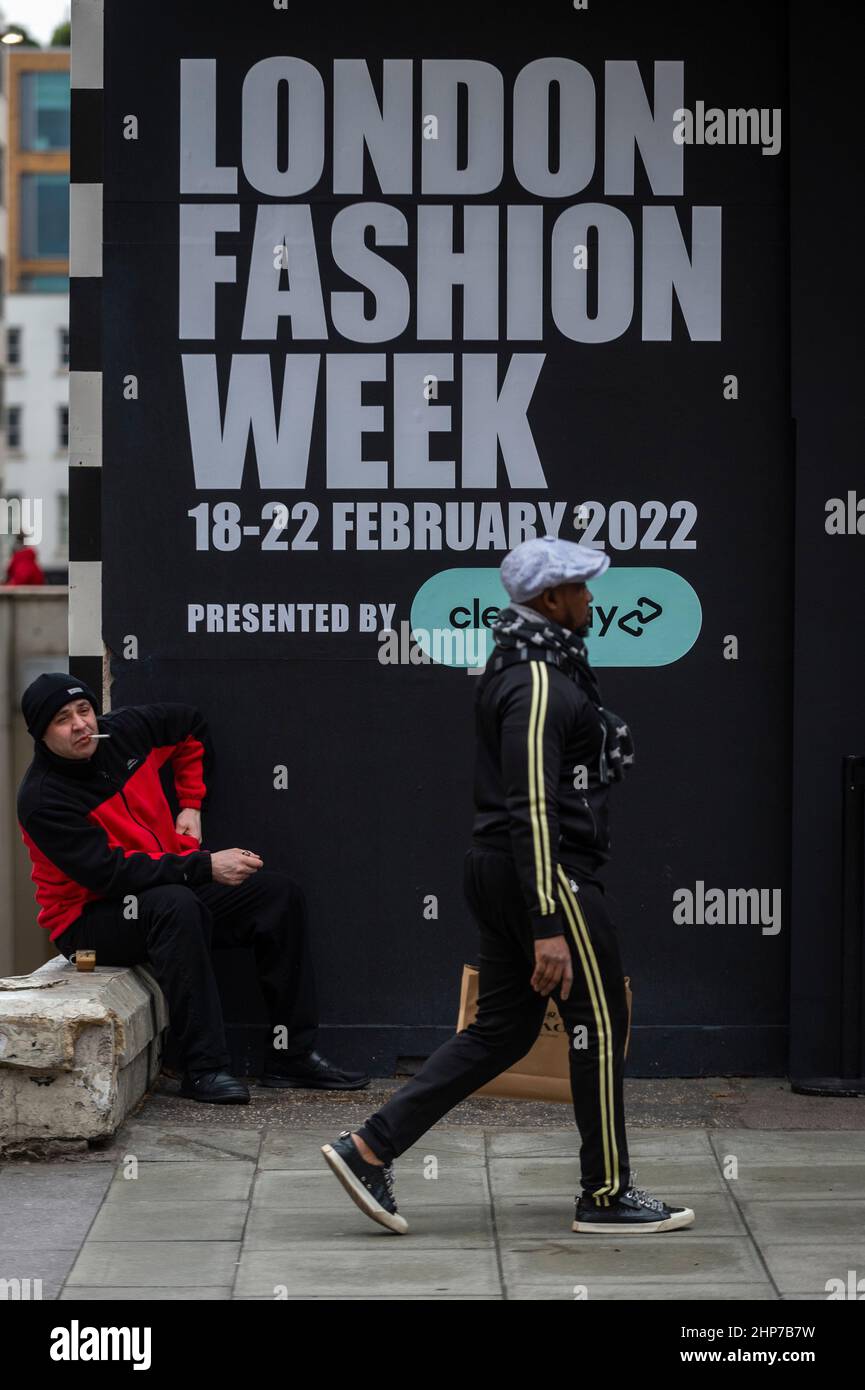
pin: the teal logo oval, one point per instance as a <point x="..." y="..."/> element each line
<point x="641" y="616"/>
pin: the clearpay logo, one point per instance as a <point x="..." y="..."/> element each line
<point x="642" y="615"/>
<point x="471" y="615"/>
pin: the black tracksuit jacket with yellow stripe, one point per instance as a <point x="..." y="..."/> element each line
<point x="538" y="789"/>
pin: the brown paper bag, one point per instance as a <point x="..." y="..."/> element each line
<point x="543" y="1073"/>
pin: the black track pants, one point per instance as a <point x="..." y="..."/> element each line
<point x="173" y="933"/>
<point x="509" y="1018"/>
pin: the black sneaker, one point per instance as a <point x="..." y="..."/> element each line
<point x="369" y="1185"/>
<point x="634" y="1211"/>
<point x="218" y="1087"/>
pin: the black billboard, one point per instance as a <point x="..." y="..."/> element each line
<point x="383" y="294"/>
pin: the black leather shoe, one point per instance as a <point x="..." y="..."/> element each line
<point x="219" y="1087"/>
<point x="316" y="1073"/>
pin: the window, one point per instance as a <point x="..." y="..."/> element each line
<point x="44" y="284"/>
<point x="13" y="347"/>
<point x="63" y="427"/>
<point x="13" y="427"/>
<point x="63" y="334"/>
<point x="44" y="110"/>
<point x="44" y="216"/>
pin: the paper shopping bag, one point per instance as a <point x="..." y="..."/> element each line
<point x="543" y="1074"/>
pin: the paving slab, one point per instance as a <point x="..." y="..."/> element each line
<point x="68" y="1180"/>
<point x="808" y="1220"/>
<point x="46" y="1223"/>
<point x="379" y="1298"/>
<point x="282" y="1149"/>
<point x="46" y="1210"/>
<point x="554" y="1143"/>
<point x="671" y="1256"/>
<point x="186" y="1144"/>
<point x="344" y="1226"/>
<point x="804" y="1181"/>
<point x="514" y="1177"/>
<point x="23" y="1262"/>
<point x="169" y="1220"/>
<point x="390" y="1268"/>
<point x="609" y="1290"/>
<point x="147" y="1295"/>
<point x="299" y="1190"/>
<point x="804" y="1268"/>
<point x="797" y="1297"/>
<point x="785" y="1146"/>
<point x="549" y="1218"/>
<point x="193" y="1182"/>
<point x="152" y="1264"/>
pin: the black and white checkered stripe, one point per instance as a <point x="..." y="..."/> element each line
<point x="85" y="348"/>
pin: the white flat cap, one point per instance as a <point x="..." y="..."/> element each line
<point x="545" y="562"/>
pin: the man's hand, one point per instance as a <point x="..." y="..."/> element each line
<point x="189" y="823"/>
<point x="234" y="865"/>
<point x="552" y="965"/>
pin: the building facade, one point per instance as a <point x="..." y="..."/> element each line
<point x="37" y="301"/>
<point x="4" y="140"/>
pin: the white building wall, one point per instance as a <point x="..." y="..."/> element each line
<point x="4" y="195"/>
<point x="40" y="387"/>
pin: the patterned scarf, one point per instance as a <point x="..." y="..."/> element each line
<point x="512" y="631"/>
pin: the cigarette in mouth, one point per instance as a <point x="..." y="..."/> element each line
<point x="98" y="735"/>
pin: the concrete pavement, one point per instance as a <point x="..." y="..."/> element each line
<point x="205" y="1202"/>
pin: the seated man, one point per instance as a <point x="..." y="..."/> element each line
<point x="114" y="873"/>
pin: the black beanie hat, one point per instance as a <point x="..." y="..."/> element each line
<point x="49" y="693"/>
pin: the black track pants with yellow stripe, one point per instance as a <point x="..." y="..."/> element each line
<point x="509" y="1018"/>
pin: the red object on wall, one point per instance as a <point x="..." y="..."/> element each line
<point x="24" y="568"/>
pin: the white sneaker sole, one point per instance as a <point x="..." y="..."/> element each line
<point x="624" y="1228"/>
<point x="359" y="1194"/>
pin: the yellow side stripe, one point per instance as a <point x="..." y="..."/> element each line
<point x="577" y="922"/>
<point x="537" y="789"/>
<point x="544" y="678"/>
<point x="599" y="1024"/>
<point x="608" y="1026"/>
<point x="609" y="1035"/>
<point x="533" y="802"/>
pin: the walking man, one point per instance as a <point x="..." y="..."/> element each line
<point x="115" y="873"/>
<point x="547" y="751"/>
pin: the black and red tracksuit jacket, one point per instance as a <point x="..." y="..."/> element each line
<point x="102" y="827"/>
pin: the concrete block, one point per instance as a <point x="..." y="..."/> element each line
<point x="77" y="1049"/>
